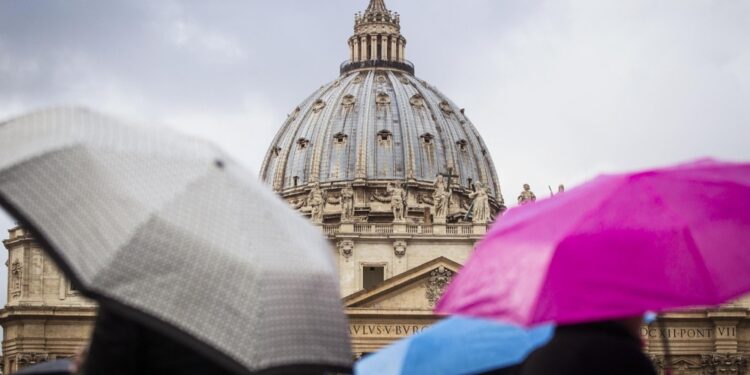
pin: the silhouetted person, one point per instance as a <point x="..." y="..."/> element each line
<point x="120" y="346"/>
<point x="610" y="347"/>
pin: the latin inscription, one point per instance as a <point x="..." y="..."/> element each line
<point x="385" y="329"/>
<point x="687" y="333"/>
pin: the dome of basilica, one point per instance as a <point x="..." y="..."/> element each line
<point x="375" y="125"/>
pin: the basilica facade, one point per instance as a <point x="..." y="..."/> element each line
<point x="396" y="176"/>
<point x="403" y="185"/>
<point x="400" y="181"/>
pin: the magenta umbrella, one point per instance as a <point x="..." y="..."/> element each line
<point x="615" y="247"/>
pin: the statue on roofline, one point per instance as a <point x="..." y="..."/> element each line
<point x="526" y="196"/>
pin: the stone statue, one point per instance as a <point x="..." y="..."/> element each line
<point x="316" y="203"/>
<point x="480" y="206"/>
<point x="440" y="199"/>
<point x="527" y="196"/>
<point x="16" y="277"/>
<point x="560" y="190"/>
<point x="398" y="202"/>
<point x="347" y="204"/>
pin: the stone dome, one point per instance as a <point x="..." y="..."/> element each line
<point x="377" y="123"/>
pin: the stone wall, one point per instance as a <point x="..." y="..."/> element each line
<point x="45" y="317"/>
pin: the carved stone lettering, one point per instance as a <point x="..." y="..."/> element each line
<point x="385" y="329"/>
<point x="697" y="333"/>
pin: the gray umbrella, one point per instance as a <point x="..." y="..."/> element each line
<point x="176" y="235"/>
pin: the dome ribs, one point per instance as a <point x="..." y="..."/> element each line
<point x="300" y="161"/>
<point x="339" y="166"/>
<point x="421" y="116"/>
<point x="384" y="153"/>
<point x="365" y="143"/>
<point x="471" y="166"/>
<point x="406" y="117"/>
<point x="378" y="124"/>
<point x="286" y="142"/>
<point x="396" y="121"/>
<point x="323" y="139"/>
<point x="444" y="153"/>
<point x="424" y="139"/>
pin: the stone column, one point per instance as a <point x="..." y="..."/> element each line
<point x="394" y="52"/>
<point x="363" y="48"/>
<point x="373" y="47"/>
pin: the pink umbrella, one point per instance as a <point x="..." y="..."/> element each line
<point x="615" y="247"/>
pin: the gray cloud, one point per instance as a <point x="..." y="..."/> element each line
<point x="560" y="89"/>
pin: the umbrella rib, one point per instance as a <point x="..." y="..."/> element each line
<point x="574" y="227"/>
<point x="691" y="245"/>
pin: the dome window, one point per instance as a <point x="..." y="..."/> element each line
<point x="462" y="145"/>
<point x="303" y="143"/>
<point x="384" y="137"/>
<point x="318" y="105"/>
<point x="417" y="101"/>
<point x="295" y="180"/>
<point x="382" y="99"/>
<point x="446" y="108"/>
<point x="427" y="138"/>
<point x="339" y="138"/>
<point x="293" y="115"/>
<point x="276" y="151"/>
<point x="348" y="101"/>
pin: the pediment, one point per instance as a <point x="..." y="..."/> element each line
<point x="416" y="289"/>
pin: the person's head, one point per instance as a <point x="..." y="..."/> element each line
<point x="632" y="324"/>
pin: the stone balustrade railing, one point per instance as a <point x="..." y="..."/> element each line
<point x="461" y="230"/>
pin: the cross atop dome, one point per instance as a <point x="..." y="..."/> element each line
<point x="377" y="40"/>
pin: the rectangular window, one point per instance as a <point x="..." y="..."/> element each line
<point x="372" y="275"/>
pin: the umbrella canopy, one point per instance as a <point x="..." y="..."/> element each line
<point x="615" y="247"/>
<point x="172" y="233"/>
<point x="456" y="346"/>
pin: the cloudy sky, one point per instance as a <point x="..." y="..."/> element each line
<point x="560" y="89"/>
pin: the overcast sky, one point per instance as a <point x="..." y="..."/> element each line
<point x="561" y="90"/>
